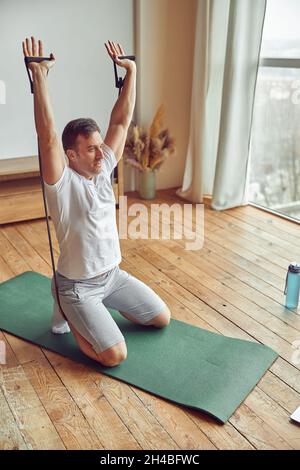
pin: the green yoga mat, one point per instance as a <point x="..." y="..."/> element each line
<point x="182" y="363"/>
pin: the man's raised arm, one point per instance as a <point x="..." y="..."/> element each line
<point x="122" y="112"/>
<point x="52" y="154"/>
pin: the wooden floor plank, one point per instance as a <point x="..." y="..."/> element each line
<point x="234" y="243"/>
<point x="144" y="430"/>
<point x="5" y="271"/>
<point x="232" y="286"/>
<point x="236" y="222"/>
<point x="10" y="357"/>
<point x="263" y="309"/>
<point x="257" y="430"/>
<point x="236" y="247"/>
<point x="269" y="223"/>
<point x="11" y="257"/>
<point x="261" y="276"/>
<point x="69" y="422"/>
<point x="40" y="247"/>
<point x="25" y="248"/>
<point x="33" y="422"/>
<point x="10" y="434"/>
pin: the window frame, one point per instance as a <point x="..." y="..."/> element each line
<point x="277" y="62"/>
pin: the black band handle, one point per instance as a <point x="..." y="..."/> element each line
<point x="27" y="61"/>
<point x="118" y="80"/>
<point x="35" y="59"/>
<point x="130" y="57"/>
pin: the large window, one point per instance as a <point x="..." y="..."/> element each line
<point x="274" y="180"/>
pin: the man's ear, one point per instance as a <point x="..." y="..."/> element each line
<point x="71" y="154"/>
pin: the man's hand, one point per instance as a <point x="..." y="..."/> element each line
<point x="35" y="49"/>
<point x="116" y="50"/>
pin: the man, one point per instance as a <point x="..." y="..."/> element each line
<point x="82" y="207"/>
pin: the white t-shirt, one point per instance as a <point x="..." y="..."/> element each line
<point x="84" y="216"/>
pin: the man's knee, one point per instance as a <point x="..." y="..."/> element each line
<point x="113" y="356"/>
<point x="161" y="320"/>
<point x="109" y="357"/>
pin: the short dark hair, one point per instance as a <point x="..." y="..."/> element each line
<point x="84" y="126"/>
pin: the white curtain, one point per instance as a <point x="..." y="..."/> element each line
<point x="226" y="58"/>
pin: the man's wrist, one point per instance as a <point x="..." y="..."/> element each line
<point x="39" y="72"/>
<point x="131" y="68"/>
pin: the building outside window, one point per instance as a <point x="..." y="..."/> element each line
<point x="274" y="168"/>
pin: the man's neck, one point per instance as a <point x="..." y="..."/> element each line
<point x="86" y="177"/>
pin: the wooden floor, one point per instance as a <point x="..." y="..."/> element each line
<point x="234" y="286"/>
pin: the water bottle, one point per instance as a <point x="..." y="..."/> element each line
<point x="292" y="286"/>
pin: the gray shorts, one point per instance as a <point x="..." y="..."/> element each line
<point x="85" y="304"/>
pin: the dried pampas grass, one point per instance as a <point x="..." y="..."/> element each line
<point x="147" y="150"/>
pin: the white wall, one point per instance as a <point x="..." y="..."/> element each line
<point x="161" y="34"/>
<point x="165" y="32"/>
<point x="81" y="83"/>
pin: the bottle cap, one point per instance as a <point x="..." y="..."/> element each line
<point x="294" y="268"/>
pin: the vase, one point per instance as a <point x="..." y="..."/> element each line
<point x="147" y="184"/>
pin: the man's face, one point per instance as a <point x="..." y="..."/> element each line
<point x="87" y="157"/>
